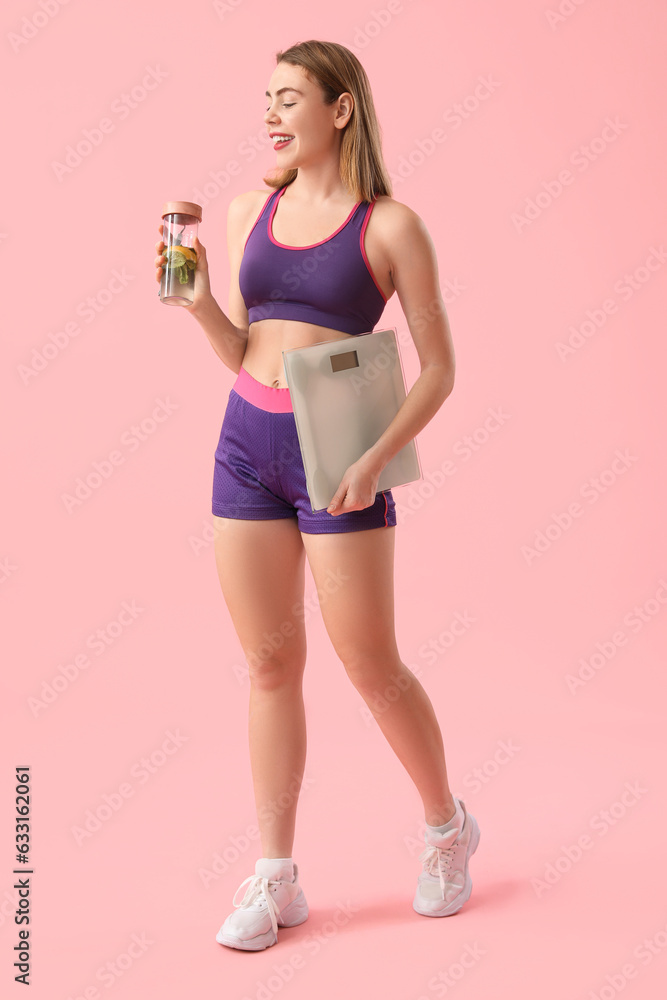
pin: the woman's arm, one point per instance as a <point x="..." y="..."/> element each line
<point x="228" y="342"/>
<point x="228" y="335"/>
<point x="414" y="272"/>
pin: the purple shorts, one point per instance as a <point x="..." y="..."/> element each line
<point x="259" y="470"/>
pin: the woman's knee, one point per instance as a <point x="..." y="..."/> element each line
<point x="374" y="671"/>
<point x="276" y="668"/>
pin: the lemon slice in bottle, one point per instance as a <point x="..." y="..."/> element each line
<point x="185" y="253"/>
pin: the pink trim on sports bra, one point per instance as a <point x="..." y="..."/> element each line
<point x="257" y="220"/>
<point x="312" y="245"/>
<point x="363" y="249"/>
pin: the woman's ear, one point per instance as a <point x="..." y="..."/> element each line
<point x="345" y="109"/>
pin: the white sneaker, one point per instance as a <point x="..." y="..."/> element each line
<point x="273" y="897"/>
<point x="445" y="884"/>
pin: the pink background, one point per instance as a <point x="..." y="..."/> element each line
<point x="598" y="589"/>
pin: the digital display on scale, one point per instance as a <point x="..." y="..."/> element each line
<point x="343" y="361"/>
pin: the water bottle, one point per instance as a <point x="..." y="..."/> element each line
<point x="180" y="220"/>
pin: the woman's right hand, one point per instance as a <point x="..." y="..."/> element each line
<point x="202" y="284"/>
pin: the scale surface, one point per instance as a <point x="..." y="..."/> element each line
<point x="344" y="396"/>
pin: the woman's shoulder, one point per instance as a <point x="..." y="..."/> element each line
<point x="393" y="217"/>
<point x="247" y="200"/>
<point x="242" y="211"/>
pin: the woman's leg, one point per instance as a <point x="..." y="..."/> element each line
<point x="261" y="566"/>
<point x="359" y="618"/>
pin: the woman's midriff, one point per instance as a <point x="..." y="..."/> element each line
<point x="268" y="338"/>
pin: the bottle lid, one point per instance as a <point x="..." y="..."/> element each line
<point x="181" y="208"/>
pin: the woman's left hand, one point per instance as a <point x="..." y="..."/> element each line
<point x="357" y="489"/>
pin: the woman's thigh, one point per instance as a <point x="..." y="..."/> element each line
<point x="354" y="575"/>
<point x="261" y="567"/>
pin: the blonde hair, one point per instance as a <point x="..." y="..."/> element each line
<point x="338" y="71"/>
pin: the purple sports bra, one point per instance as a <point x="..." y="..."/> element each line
<point x="329" y="284"/>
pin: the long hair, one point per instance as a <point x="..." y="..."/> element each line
<point x="338" y="71"/>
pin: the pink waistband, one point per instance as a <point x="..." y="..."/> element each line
<point x="267" y="397"/>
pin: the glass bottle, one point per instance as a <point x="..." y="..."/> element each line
<point x="180" y="220"/>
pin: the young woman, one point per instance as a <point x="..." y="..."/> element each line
<point x="317" y="260"/>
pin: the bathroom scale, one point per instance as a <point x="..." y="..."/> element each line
<point x="344" y="396"/>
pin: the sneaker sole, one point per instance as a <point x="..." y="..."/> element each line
<point x="294" y="914"/>
<point x="464" y="895"/>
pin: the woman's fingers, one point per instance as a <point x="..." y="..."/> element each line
<point x="160" y="260"/>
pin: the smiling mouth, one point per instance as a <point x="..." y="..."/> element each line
<point x="282" y="144"/>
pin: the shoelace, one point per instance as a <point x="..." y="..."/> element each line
<point x="259" y="886"/>
<point x="437" y="858"/>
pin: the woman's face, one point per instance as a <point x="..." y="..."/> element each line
<point x="301" y="112"/>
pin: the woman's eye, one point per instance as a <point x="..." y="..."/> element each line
<point x="287" y="105"/>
